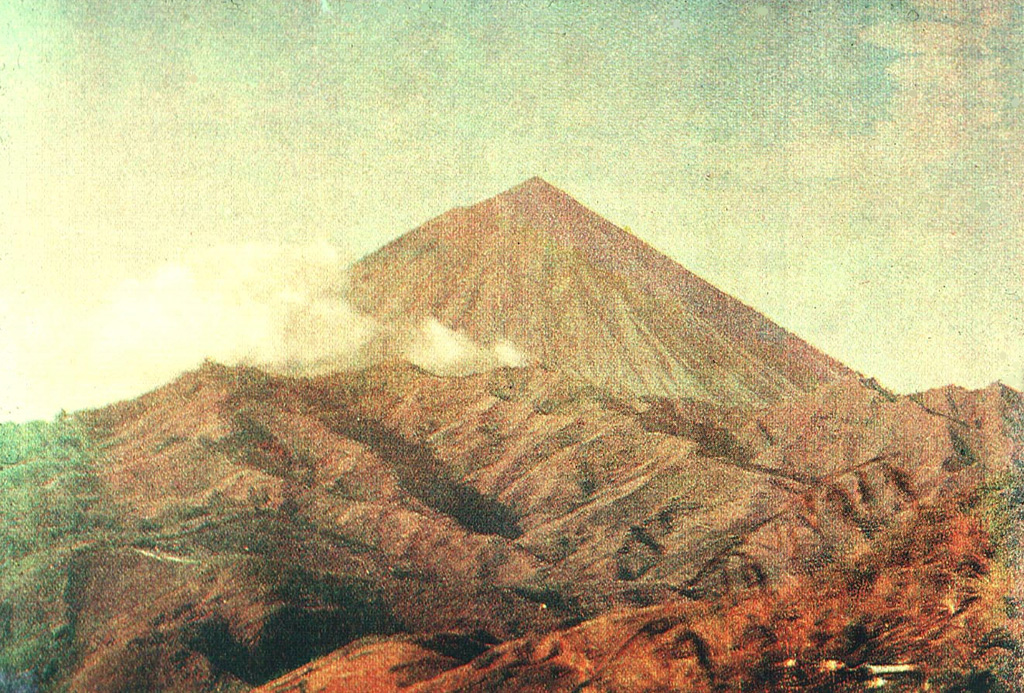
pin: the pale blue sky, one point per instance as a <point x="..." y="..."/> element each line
<point x="852" y="169"/>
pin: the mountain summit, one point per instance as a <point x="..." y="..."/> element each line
<point x="575" y="292"/>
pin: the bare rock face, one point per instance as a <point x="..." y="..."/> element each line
<point x="575" y="292"/>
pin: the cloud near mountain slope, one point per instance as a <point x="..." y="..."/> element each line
<point x="279" y="306"/>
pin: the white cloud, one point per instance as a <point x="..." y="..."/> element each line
<point x="282" y="307"/>
<point x="438" y="349"/>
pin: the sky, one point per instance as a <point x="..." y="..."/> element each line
<point x="182" y="179"/>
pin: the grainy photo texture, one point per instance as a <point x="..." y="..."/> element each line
<point x="534" y="345"/>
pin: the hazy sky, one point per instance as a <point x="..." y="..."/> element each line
<point x="851" y="169"/>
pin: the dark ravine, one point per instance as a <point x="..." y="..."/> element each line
<point x="423" y="475"/>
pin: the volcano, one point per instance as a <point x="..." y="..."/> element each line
<point x="757" y="519"/>
<point x="574" y="292"/>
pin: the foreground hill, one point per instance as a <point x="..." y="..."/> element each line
<point x="534" y="267"/>
<point x="922" y="610"/>
<point x="234" y="526"/>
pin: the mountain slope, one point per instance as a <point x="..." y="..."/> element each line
<point x="574" y="292"/>
<point x="251" y="523"/>
<point x="921" y="611"/>
<point x="831" y="537"/>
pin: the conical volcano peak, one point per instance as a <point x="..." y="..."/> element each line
<point x="535" y="268"/>
<point x="536" y="207"/>
<point x="533" y="186"/>
<point x="535" y="195"/>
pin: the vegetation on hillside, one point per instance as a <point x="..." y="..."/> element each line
<point x="50" y="505"/>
